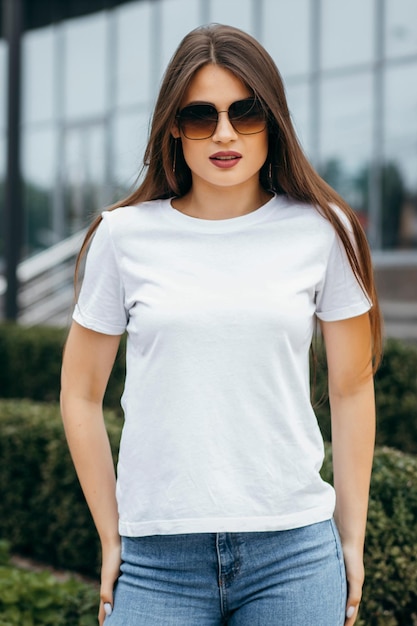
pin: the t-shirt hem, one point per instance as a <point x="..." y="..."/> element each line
<point x="98" y="326"/>
<point x="345" y="313"/>
<point x="230" y="525"/>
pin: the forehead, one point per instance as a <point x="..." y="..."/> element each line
<point x="217" y="85"/>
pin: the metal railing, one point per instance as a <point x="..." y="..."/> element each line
<point x="46" y="292"/>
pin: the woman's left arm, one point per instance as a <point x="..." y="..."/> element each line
<point x="352" y="405"/>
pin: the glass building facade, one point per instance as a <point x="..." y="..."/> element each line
<point x="89" y="83"/>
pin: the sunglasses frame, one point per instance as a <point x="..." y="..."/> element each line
<point x="254" y="101"/>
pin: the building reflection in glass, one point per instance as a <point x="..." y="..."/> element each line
<point x="89" y="82"/>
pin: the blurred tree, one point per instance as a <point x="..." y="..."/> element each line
<point x="332" y="172"/>
<point x="38" y="217"/>
<point x="356" y="191"/>
<point x="338" y="178"/>
<point x="393" y="195"/>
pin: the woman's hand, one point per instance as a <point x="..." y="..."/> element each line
<point x="87" y="363"/>
<point x="352" y="404"/>
<point x="110" y="571"/>
<point x="355" y="575"/>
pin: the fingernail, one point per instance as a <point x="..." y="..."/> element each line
<point x="350" y="612"/>
<point x="108" y="609"/>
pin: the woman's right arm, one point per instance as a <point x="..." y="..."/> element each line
<point x="87" y="364"/>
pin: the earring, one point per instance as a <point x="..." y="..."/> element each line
<point x="270" y="181"/>
<point x="174" y="160"/>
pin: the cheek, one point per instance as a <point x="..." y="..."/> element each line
<point x="193" y="154"/>
<point x="258" y="152"/>
<point x="263" y="147"/>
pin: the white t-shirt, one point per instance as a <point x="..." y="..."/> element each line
<point x="219" y="433"/>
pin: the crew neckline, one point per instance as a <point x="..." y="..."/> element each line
<point x="217" y="226"/>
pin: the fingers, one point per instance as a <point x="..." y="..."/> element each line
<point x="351" y="614"/>
<point x="355" y="575"/>
<point x="106" y="602"/>
<point x="105" y="610"/>
<point x="352" y="604"/>
<point x="106" y="598"/>
<point x="110" y="571"/>
<point x="106" y="595"/>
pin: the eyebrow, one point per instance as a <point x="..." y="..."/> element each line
<point x="199" y="102"/>
<point x="193" y="102"/>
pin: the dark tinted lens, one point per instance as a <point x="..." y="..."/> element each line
<point x="247" y="116"/>
<point x="198" y="121"/>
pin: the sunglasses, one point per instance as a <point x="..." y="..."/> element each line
<point x="199" y="121"/>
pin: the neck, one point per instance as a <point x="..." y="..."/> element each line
<point x="214" y="203"/>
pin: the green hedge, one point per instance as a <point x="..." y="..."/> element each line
<point x="43" y="511"/>
<point x="390" y="591"/>
<point x="30" y="362"/>
<point x="44" y="514"/>
<point x="39" y="599"/>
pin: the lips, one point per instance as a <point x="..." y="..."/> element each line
<point x="225" y="159"/>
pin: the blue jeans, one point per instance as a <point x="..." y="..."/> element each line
<point x="283" y="578"/>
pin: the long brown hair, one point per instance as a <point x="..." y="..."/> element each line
<point x="286" y="170"/>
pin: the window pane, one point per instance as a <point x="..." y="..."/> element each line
<point x="401" y="27"/>
<point x="298" y="102"/>
<point x="84" y="174"/>
<point x="400" y="169"/>
<point x="3" y="84"/>
<point x="401" y="120"/>
<point x="2" y="156"/>
<point x="3" y="98"/>
<point x="134" y="53"/>
<point x="233" y="13"/>
<point x="2" y="190"/>
<point x="85" y="67"/>
<point x="130" y="138"/>
<point x="38" y="75"/>
<point x="98" y="190"/>
<point x="347" y="119"/>
<point x="347" y="32"/>
<point x="282" y="19"/>
<point x="39" y="156"/>
<point x="178" y="18"/>
<point x="346" y="141"/>
<point x="38" y="169"/>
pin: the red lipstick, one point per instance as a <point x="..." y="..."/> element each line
<point x="225" y="159"/>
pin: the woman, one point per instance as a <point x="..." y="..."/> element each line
<point x="217" y="267"/>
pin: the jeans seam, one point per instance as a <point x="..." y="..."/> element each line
<point x="222" y="586"/>
<point x="342" y="570"/>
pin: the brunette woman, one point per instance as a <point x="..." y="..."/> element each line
<point x="217" y="267"/>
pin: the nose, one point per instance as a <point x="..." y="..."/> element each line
<point x="224" y="130"/>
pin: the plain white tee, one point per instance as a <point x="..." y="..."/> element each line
<point x="219" y="433"/>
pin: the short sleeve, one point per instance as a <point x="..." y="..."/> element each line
<point x="339" y="296"/>
<point x="100" y="305"/>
